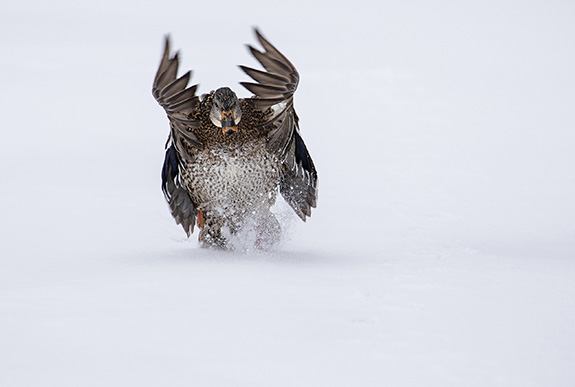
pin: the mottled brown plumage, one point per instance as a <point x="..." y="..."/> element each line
<point x="250" y="127"/>
<point x="227" y="158"/>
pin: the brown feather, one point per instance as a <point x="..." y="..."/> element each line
<point x="176" y="86"/>
<point x="265" y="77"/>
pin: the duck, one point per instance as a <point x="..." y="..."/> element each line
<point x="227" y="158"/>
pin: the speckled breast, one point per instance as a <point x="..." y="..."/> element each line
<point x="233" y="180"/>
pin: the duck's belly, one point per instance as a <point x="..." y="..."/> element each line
<point x="232" y="181"/>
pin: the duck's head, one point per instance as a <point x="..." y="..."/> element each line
<point x="226" y="112"/>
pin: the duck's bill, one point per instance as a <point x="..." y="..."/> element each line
<point x="228" y="122"/>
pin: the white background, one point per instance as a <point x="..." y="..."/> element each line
<point x="442" y="251"/>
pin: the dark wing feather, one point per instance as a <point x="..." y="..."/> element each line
<point x="181" y="206"/>
<point x="180" y="103"/>
<point x="298" y="184"/>
<point x="275" y="88"/>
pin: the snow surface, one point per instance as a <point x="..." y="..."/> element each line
<point x="442" y="252"/>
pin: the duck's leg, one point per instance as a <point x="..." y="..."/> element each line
<point x="200" y="219"/>
<point x="211" y="235"/>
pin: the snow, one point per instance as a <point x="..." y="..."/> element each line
<point x="442" y="251"/>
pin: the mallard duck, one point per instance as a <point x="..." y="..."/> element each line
<point x="228" y="157"/>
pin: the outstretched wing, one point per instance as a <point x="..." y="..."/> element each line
<point x="178" y="100"/>
<point x="180" y="103"/>
<point x="274" y="88"/>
